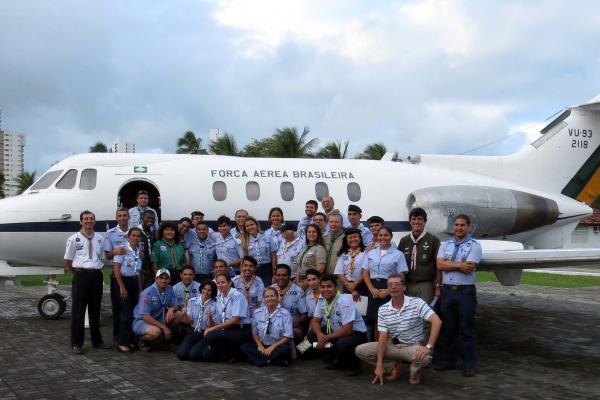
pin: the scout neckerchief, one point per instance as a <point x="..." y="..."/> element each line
<point x="331" y="243"/>
<point x="458" y="245"/>
<point x="90" y="245"/>
<point x="224" y="303"/>
<point x="187" y="293"/>
<point x="316" y="296"/>
<point x="174" y="262"/>
<point x="413" y="254"/>
<point x="247" y="286"/>
<point x="163" y="300"/>
<point x="257" y="247"/>
<point x="282" y="292"/>
<point x="328" y="310"/>
<point x="201" y="245"/>
<point x="304" y="253"/>
<point x="353" y="255"/>
<point x="148" y="235"/>
<point x="268" y="326"/>
<point x="200" y="312"/>
<point x="136" y="256"/>
<point x="285" y="245"/>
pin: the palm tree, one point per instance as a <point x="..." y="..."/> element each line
<point x="257" y="148"/>
<point x="2" y="182"/>
<point x="190" y="144"/>
<point x="286" y="143"/>
<point x="24" y="181"/>
<point x="99" y="147"/>
<point x="225" y="145"/>
<point x="373" y="151"/>
<point x="334" y="150"/>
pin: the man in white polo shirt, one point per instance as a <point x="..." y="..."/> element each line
<point x="83" y="257"/>
<point x="400" y="325"/>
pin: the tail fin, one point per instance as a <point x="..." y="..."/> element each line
<point x="566" y="159"/>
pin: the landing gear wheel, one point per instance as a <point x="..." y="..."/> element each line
<point x="51" y="306"/>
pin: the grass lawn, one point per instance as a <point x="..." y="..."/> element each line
<point x="539" y="279"/>
<point x="38" y="280"/>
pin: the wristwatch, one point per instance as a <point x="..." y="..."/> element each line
<point x="428" y="346"/>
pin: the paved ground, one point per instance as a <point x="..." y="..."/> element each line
<point x="534" y="343"/>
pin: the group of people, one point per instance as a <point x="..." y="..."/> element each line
<point x="292" y="291"/>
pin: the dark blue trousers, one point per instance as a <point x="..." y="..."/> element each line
<point x="280" y="353"/>
<point x="86" y="292"/>
<point x="126" y="307"/>
<point x="458" y="316"/>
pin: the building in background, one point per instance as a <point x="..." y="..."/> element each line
<point x="122" y="146"/>
<point x="587" y="233"/>
<point x="214" y="134"/>
<point x="11" y="159"/>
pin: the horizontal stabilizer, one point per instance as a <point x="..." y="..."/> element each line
<point x="538" y="258"/>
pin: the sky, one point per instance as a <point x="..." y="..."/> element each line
<point x="431" y="76"/>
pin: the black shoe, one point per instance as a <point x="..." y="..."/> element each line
<point x="76" y="350"/>
<point x="443" y="367"/>
<point x="469" y="373"/>
<point x="102" y="345"/>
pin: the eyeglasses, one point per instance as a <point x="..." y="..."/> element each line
<point x="395" y="284"/>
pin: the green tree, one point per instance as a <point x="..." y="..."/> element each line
<point x="2" y="182"/>
<point x="99" y="147"/>
<point x="287" y="143"/>
<point x="225" y="145"/>
<point x="257" y="148"/>
<point x="190" y="144"/>
<point x="334" y="150"/>
<point x="373" y="151"/>
<point x="24" y="181"/>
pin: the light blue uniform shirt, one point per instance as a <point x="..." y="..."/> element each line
<point x="275" y="236"/>
<point x="382" y="266"/>
<point x="234" y="305"/>
<point x="261" y="247"/>
<point x="131" y="263"/>
<point x="469" y="250"/>
<point x="302" y="224"/>
<point x="180" y="289"/>
<point x="202" y="254"/>
<point x="343" y="265"/>
<point x="197" y="312"/>
<point x="255" y="291"/>
<point x="135" y="217"/>
<point x="342" y="313"/>
<point x="154" y="304"/>
<point x="294" y="300"/>
<point x="311" y="303"/>
<point x="366" y="234"/>
<point x="271" y="328"/>
<point x="288" y="253"/>
<point x="227" y="248"/>
<point x="114" y="239"/>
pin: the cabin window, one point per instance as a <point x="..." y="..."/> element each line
<point x="252" y="191"/>
<point x="88" y="179"/>
<point x="48" y="179"/>
<point x="353" y="191"/>
<point x="68" y="180"/>
<point x="321" y="190"/>
<point x="219" y="190"/>
<point x="287" y="191"/>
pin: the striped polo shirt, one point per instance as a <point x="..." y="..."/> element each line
<point x="406" y="324"/>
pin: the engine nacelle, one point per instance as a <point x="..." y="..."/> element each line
<point x="494" y="212"/>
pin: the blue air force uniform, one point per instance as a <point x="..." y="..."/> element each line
<point x="152" y="303"/>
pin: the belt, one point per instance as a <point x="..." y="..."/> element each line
<point x="88" y="270"/>
<point x="457" y="287"/>
<point x="128" y="277"/>
<point x="265" y="265"/>
<point x="397" y="341"/>
<point x="409" y="281"/>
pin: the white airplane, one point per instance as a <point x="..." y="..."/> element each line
<point x="524" y="206"/>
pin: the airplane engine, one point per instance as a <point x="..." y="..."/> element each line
<point x="494" y="212"/>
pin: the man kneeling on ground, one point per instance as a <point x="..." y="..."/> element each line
<point x="155" y="311"/>
<point x="401" y="338"/>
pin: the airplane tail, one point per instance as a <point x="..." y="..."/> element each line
<point x="566" y="159"/>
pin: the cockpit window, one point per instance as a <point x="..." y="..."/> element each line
<point x="88" y="179"/>
<point x="45" y="181"/>
<point x="68" y="180"/>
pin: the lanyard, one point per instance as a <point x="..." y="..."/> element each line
<point x="267" y="329"/>
<point x="136" y="256"/>
<point x="224" y="303"/>
<point x="200" y="313"/>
